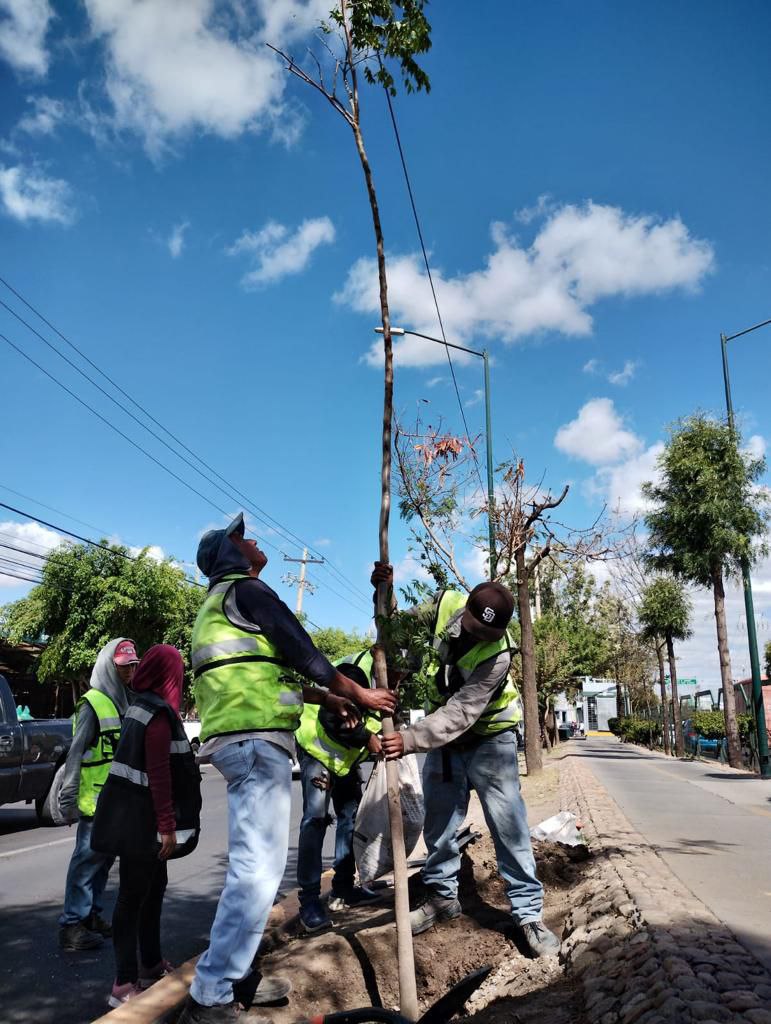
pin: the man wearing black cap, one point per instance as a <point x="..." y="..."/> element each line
<point x="468" y="735"/>
<point x="248" y="648"/>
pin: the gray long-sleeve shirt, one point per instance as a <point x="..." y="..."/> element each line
<point x="464" y="707"/>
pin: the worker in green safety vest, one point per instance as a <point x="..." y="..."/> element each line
<point x="330" y="755"/>
<point x="468" y="736"/>
<point x="96" y="729"/>
<point x="248" y="652"/>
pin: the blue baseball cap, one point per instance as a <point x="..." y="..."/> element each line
<point x="209" y="545"/>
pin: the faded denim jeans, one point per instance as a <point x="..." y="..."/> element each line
<point x="259" y="778"/>
<point x="490" y="767"/>
<point x="345" y="796"/>
<point x="86" y="878"/>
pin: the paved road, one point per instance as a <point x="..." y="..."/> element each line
<point x="40" y="983"/>
<point x="711" y="826"/>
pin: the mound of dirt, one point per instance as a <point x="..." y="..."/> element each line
<point x="355" y="964"/>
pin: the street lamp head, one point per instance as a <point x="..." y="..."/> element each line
<point x="394" y="330"/>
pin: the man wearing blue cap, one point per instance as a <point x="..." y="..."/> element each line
<point x="247" y="649"/>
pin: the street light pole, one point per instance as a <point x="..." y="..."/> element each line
<point x="749" y="606"/>
<point x="493" y="559"/>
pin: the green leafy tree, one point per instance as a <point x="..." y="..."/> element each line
<point x="665" y="612"/>
<point x="89" y="596"/>
<point x="335" y="643"/>
<point x="767" y="659"/>
<point x="708" y="518"/>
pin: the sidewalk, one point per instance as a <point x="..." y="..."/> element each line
<point x="710" y="825"/>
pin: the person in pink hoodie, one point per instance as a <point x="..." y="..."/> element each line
<point x="147" y="813"/>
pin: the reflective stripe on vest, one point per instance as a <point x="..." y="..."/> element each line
<point x="95" y="763"/>
<point x="241" y="683"/>
<point x="504" y="709"/>
<point x="316" y="741"/>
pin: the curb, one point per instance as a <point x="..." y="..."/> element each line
<point x="644" y="948"/>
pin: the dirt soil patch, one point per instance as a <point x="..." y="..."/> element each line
<point x="355" y="963"/>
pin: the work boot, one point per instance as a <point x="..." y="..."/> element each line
<point x="359" y="896"/>
<point x="197" y="1013"/>
<point x="122" y="993"/>
<point x="75" y="938"/>
<point x="540" y="941"/>
<point x="313" y="916"/>
<point x="271" y="990"/>
<point x="435" y="908"/>
<point x="255" y="990"/>
<point x="96" y="923"/>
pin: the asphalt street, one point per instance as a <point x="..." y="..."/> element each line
<point x="39" y="982"/>
<point x="710" y="825"/>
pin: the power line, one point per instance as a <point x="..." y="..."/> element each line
<point x="83" y="540"/>
<point x="430" y="277"/>
<point x="260" y="514"/>
<point x="50" y="508"/>
<point x="123" y="554"/>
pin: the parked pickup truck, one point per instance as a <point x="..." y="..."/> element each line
<point x="31" y="754"/>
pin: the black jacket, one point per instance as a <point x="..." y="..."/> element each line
<point x="125" y="823"/>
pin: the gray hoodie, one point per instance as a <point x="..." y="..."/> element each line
<point x="104" y="678"/>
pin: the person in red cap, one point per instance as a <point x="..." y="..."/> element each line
<point x="96" y="728"/>
<point x="469" y="739"/>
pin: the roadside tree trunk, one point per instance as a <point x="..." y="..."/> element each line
<point x="729" y="698"/>
<point x="665" y="726"/>
<point x="679" y="740"/>
<point x="533" y="757"/>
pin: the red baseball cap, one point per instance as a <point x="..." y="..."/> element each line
<point x="125" y="653"/>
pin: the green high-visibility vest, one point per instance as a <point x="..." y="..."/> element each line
<point x="241" y="683"/>
<point x="316" y="741"/>
<point x="505" y="707"/>
<point x="96" y="761"/>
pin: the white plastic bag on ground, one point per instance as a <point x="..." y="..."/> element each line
<point x="560" y="828"/>
<point x="372" y="833"/>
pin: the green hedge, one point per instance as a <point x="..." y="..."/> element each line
<point x="636" y="730"/>
<point x="711" y="724"/>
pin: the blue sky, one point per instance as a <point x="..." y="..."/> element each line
<point x="593" y="186"/>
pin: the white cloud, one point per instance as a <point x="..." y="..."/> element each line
<point x="322" y="542"/>
<point x="43" y="119"/>
<point x="622" y="377"/>
<point x="179" y="66"/>
<point x="580" y="255"/>
<point x="176" y="239"/>
<point x="278" y="253"/>
<point x="475" y="399"/>
<point x="620" y="484"/>
<point x="25" y="543"/>
<point x="755" y="447"/>
<point x="597" y="435"/>
<point x="26" y="194"/>
<point x="592" y="366"/>
<point x="434" y="381"/>
<point x="543" y="205"/>
<point x="153" y="552"/>
<point x="408" y="569"/>
<point x="23" y="27"/>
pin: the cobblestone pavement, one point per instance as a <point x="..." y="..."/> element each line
<point x="643" y="946"/>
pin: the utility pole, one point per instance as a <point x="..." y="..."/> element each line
<point x="302" y="583"/>
<point x="758" y="707"/>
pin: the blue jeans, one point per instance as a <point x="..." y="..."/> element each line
<point x="86" y="878"/>
<point x="490" y="767"/>
<point x="259" y="778"/>
<point x="345" y="795"/>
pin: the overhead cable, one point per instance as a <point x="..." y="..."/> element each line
<point x="430" y="278"/>
<point x="264" y="517"/>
